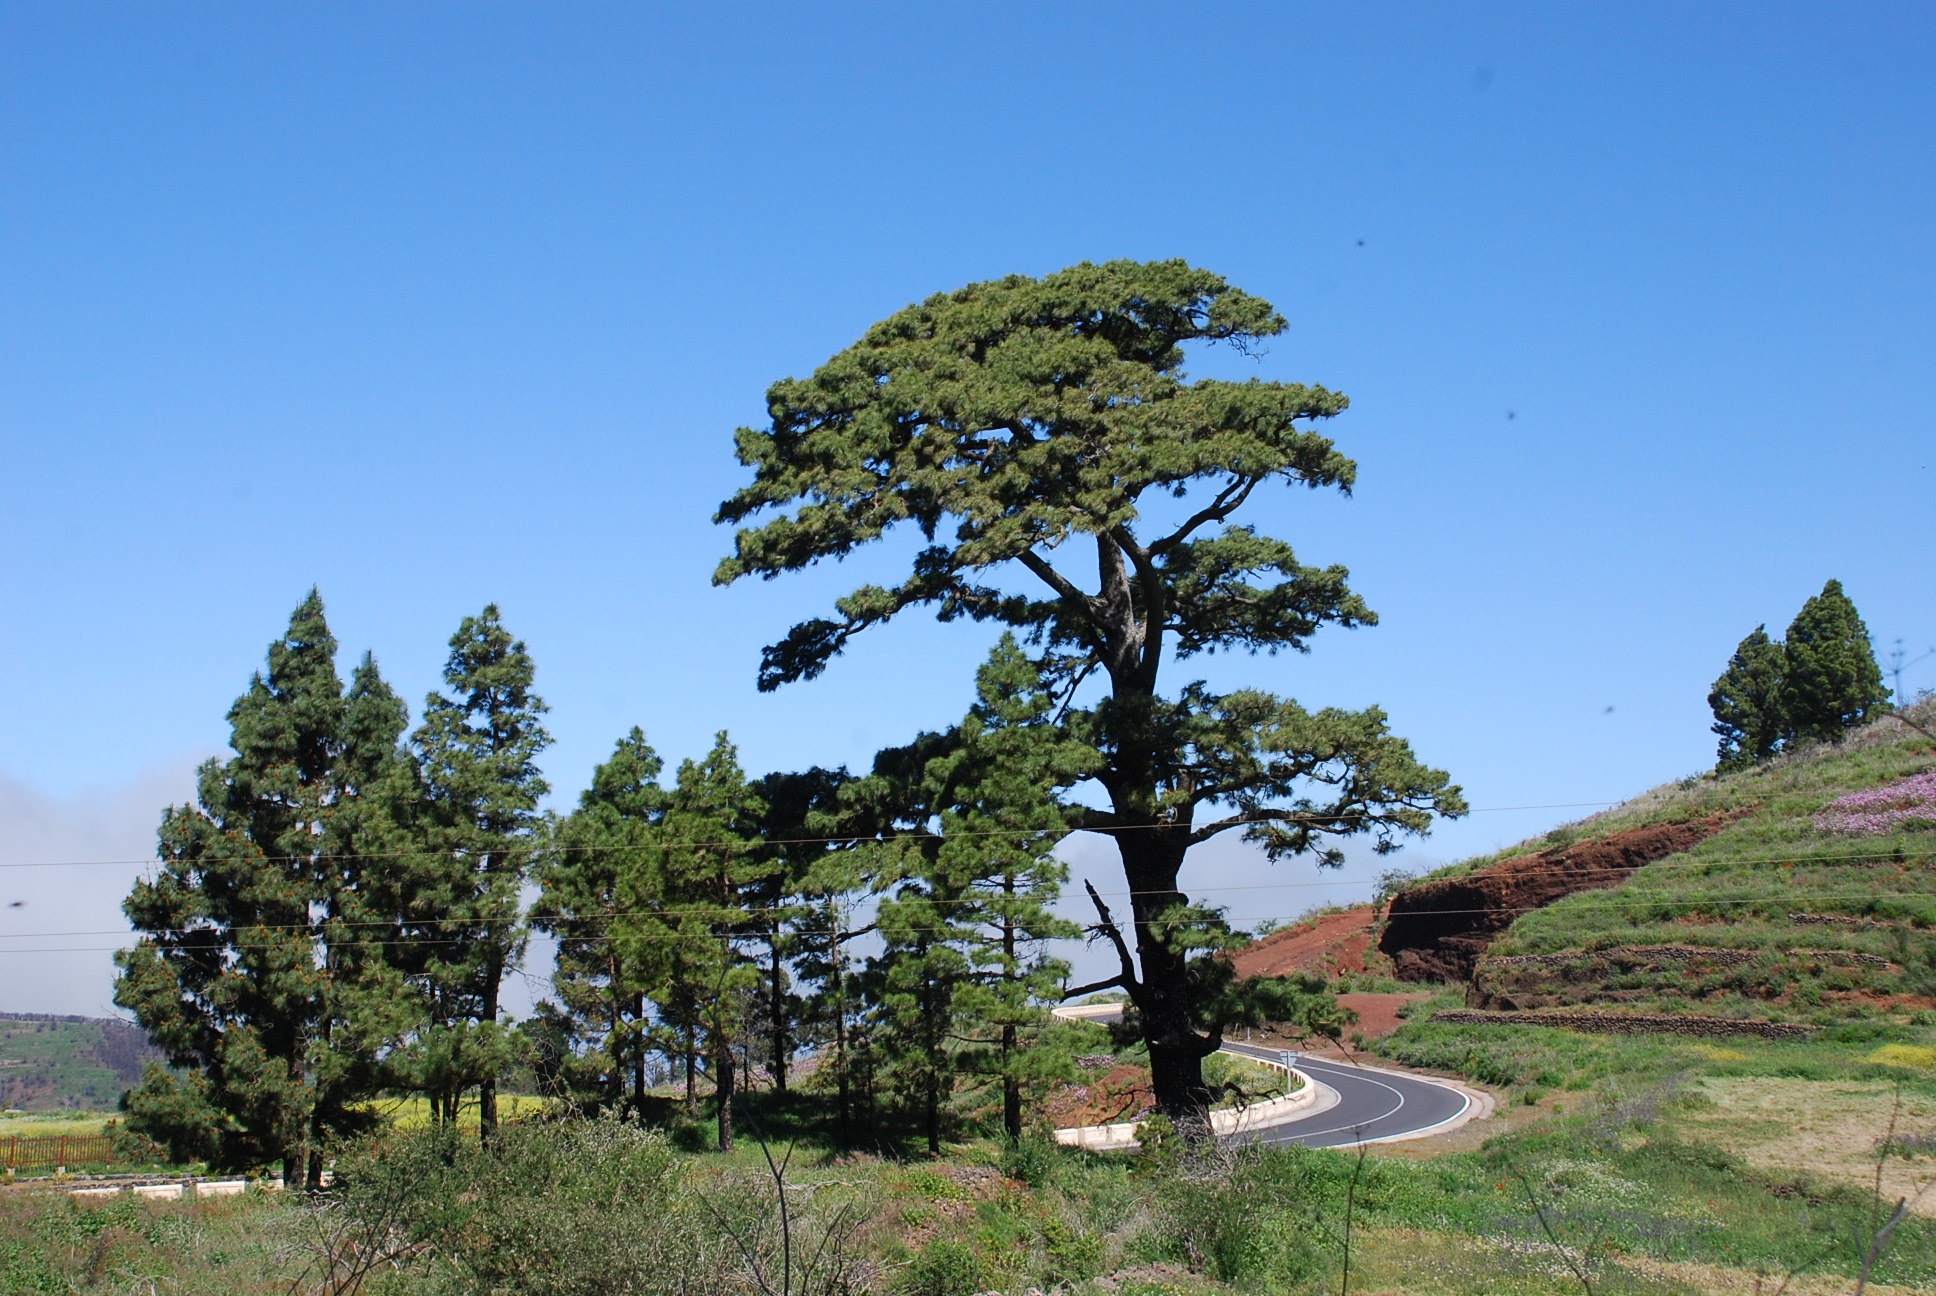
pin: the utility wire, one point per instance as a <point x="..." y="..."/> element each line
<point x="1689" y="904"/>
<point x="541" y="848"/>
<point x="316" y="926"/>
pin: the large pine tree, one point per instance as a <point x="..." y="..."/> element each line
<point x="1832" y="681"/>
<point x="1043" y="431"/>
<point x="476" y="832"/>
<point x="256" y="973"/>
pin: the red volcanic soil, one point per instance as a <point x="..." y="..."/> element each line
<point x="1327" y="946"/>
<point x="1438" y="930"/>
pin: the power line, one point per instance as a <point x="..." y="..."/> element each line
<point x="538" y="848"/>
<point x="1690" y="904"/>
<point x="688" y="911"/>
<point x="317" y="927"/>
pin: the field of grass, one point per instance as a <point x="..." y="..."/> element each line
<point x="414" y="1112"/>
<point x="1651" y="1181"/>
<point x="43" y="1124"/>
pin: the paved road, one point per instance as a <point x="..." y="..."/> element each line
<point x="1373" y="1104"/>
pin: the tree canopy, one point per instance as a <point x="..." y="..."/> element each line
<point x="1030" y="427"/>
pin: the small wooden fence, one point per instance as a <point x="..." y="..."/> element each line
<point x="56" y="1151"/>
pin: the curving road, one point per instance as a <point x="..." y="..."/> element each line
<point x="1374" y="1105"/>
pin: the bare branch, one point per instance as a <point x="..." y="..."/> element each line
<point x="1055" y="580"/>
<point x="1109" y="983"/>
<point x="1109" y="928"/>
<point x="1228" y="501"/>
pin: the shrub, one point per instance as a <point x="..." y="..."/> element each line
<point x="555" y="1208"/>
<point x="1243" y="1226"/>
<point x="945" y="1268"/>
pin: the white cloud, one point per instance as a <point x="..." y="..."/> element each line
<point x="72" y="914"/>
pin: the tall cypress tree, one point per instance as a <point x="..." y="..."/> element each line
<point x="1747" y="702"/>
<point x="477" y="831"/>
<point x="254" y="974"/>
<point x="1832" y="681"/>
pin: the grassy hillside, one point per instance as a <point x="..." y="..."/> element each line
<point x="69" y="1063"/>
<point x="1794" y="911"/>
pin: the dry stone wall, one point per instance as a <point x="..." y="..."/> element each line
<point x="1630" y="1024"/>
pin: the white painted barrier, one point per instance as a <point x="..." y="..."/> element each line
<point x="1223" y="1124"/>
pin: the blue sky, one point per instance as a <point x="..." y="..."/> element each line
<point x="435" y="305"/>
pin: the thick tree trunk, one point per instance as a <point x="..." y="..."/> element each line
<point x="723" y="1070"/>
<point x="487" y="1088"/>
<point x="781" y="1045"/>
<point x="638" y="1060"/>
<point x="1152" y="858"/>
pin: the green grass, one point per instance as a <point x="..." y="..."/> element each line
<point x="1736" y="891"/>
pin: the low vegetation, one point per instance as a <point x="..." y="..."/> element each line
<point x="1651" y="1167"/>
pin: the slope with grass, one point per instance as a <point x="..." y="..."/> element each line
<point x="69" y="1063"/>
<point x="1814" y="901"/>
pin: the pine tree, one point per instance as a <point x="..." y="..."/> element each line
<point x="823" y="927"/>
<point x="694" y="947"/>
<point x="477" y="832"/>
<point x="609" y="862"/>
<point x="1025" y="427"/>
<point x="1832" y="681"/>
<point x="1747" y="702"/>
<point x="964" y="966"/>
<point x="793" y="907"/>
<point x="255" y="974"/>
<point x="914" y="986"/>
<point x="1000" y="821"/>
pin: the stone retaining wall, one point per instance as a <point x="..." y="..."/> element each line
<point x="1629" y="1023"/>
<point x="1679" y="954"/>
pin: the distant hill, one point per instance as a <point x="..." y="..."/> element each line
<point x="50" y="1063"/>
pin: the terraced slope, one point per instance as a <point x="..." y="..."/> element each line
<point x="1813" y="903"/>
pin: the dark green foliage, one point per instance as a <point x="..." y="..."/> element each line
<point x="1034" y="420"/>
<point x="609" y="860"/>
<point x="255" y="975"/>
<point x="1819" y="683"/>
<point x="1749" y="715"/>
<point x="960" y="981"/>
<point x="694" y="949"/>
<point x="1832" y="681"/>
<point x="470" y="815"/>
